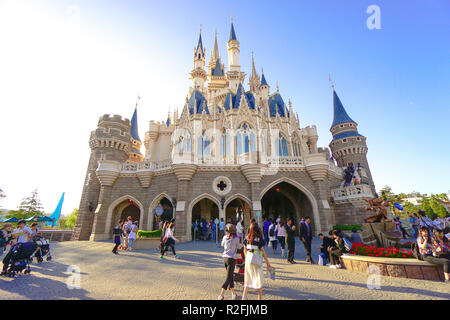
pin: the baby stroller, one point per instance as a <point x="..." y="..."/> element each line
<point x="240" y="267"/>
<point x="18" y="259"/>
<point x="43" y="249"/>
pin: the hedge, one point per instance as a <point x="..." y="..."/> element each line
<point x="149" y="234"/>
<point x="347" y="227"/>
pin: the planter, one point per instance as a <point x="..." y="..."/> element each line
<point x="147" y="243"/>
<point x="394" y="267"/>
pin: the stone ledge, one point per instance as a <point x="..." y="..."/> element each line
<point x="394" y="267"/>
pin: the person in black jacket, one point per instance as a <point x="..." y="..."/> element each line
<point x="336" y="250"/>
<point x="326" y="242"/>
<point x="306" y="238"/>
<point x="290" y="239"/>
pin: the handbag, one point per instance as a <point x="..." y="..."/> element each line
<point x="255" y="258"/>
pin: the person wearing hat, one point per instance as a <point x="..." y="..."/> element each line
<point x="230" y="244"/>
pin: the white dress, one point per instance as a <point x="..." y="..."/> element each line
<point x="254" y="274"/>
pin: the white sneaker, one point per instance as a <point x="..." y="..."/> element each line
<point x="233" y="297"/>
<point x="220" y="297"/>
<point x="333" y="266"/>
<point x="338" y="266"/>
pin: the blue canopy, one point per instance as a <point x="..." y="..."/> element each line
<point x="37" y="218"/>
<point x="13" y="219"/>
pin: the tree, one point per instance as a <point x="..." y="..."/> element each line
<point x="32" y="205"/>
<point x="68" y="222"/>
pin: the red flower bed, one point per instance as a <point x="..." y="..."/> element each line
<point x="360" y="249"/>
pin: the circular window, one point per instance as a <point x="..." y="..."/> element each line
<point x="221" y="185"/>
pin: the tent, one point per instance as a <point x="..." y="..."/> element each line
<point x="13" y="219"/>
<point x="38" y="219"/>
<point x="56" y="214"/>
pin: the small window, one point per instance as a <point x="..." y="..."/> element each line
<point x="341" y="126"/>
<point x="358" y="139"/>
<point x="345" y="140"/>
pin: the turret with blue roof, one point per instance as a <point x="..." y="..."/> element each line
<point x="134" y="127"/>
<point x="343" y="126"/>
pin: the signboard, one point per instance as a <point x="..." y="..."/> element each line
<point x="216" y="221"/>
<point x="159" y="211"/>
<point x="258" y="213"/>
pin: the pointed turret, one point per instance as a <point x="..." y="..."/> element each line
<point x="348" y="145"/>
<point x="232" y="32"/>
<point x="198" y="74"/>
<point x="234" y="75"/>
<point x="340" y="115"/>
<point x="215" y="53"/>
<point x="199" y="51"/>
<point x="254" y="80"/>
<point x="135" y="153"/>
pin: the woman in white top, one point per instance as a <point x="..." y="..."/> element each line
<point x="170" y="241"/>
<point x="281" y="235"/>
<point x="132" y="236"/>
<point x="273" y="236"/>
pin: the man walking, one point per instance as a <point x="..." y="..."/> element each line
<point x="267" y="224"/>
<point x="306" y="238"/>
<point x="290" y="239"/>
<point x="221" y="229"/>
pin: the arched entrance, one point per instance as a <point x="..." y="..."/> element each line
<point x="286" y="200"/>
<point x="122" y="208"/>
<point x="238" y="206"/>
<point x="164" y="201"/>
<point x="203" y="210"/>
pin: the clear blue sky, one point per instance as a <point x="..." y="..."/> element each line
<point x="394" y="81"/>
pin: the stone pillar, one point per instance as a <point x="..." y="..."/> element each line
<point x="184" y="173"/>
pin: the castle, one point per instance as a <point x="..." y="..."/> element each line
<point x="231" y="150"/>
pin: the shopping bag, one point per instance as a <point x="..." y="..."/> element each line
<point x="322" y="260"/>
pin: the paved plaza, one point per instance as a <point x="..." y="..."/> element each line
<point x="198" y="275"/>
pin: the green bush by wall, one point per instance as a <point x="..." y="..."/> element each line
<point x="149" y="234"/>
<point x="347" y="227"/>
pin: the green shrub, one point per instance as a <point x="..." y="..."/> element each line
<point x="149" y="234"/>
<point x="347" y="227"/>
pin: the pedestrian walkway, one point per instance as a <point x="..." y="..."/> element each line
<point x="198" y="274"/>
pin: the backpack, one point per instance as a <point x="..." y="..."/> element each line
<point x="271" y="232"/>
<point x="347" y="244"/>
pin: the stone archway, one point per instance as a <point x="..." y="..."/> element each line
<point x="193" y="203"/>
<point x="169" y="210"/>
<point x="303" y="202"/>
<point x="116" y="209"/>
<point x="240" y="202"/>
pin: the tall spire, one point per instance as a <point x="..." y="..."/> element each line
<point x="199" y="48"/>
<point x="340" y="115"/>
<point x="232" y="32"/>
<point x="215" y="53"/>
<point x="254" y="73"/>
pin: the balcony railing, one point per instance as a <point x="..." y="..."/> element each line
<point x="352" y="193"/>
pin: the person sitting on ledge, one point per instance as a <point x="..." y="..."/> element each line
<point x="336" y="250"/>
<point x="432" y="250"/>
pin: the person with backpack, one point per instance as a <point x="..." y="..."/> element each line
<point x="337" y="249"/>
<point x="132" y="236"/>
<point x="230" y="243"/>
<point x="432" y="251"/>
<point x="117" y="232"/>
<point x="169" y="241"/>
<point x="273" y="236"/>
<point x="280" y="230"/>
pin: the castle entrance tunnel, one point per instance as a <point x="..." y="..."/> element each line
<point x="204" y="210"/>
<point x="286" y="201"/>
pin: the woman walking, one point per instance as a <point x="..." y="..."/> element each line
<point x="117" y="232"/>
<point x="132" y="236"/>
<point x="280" y="230"/>
<point x="230" y="244"/>
<point x="170" y="240"/>
<point x="254" y="255"/>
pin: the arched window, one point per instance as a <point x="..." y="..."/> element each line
<point x="281" y="146"/>
<point x="185" y="142"/>
<point x="245" y="140"/>
<point x="203" y="147"/>
<point x="296" y="146"/>
<point x="225" y="144"/>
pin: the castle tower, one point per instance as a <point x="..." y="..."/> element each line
<point x="348" y="146"/>
<point x="110" y="144"/>
<point x="198" y="74"/>
<point x="264" y="86"/>
<point x="234" y="75"/>
<point x="135" y="153"/>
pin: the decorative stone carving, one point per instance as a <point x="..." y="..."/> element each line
<point x="252" y="172"/>
<point x="222" y="185"/>
<point x="108" y="171"/>
<point x="316" y="166"/>
<point x="145" y="177"/>
<point x="184" y="171"/>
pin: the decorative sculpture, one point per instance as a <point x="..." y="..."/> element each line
<point x="377" y="205"/>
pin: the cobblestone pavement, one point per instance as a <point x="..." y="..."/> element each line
<point x="198" y="274"/>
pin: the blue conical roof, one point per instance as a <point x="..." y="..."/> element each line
<point x="263" y="80"/>
<point x="232" y="33"/>
<point x="340" y="115"/>
<point x="199" y="45"/>
<point x="168" y="121"/>
<point x="217" y="71"/>
<point x="134" y="127"/>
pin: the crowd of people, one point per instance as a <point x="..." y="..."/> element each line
<point x="125" y="234"/>
<point x="21" y="234"/>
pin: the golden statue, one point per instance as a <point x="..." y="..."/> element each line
<point x="379" y="206"/>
